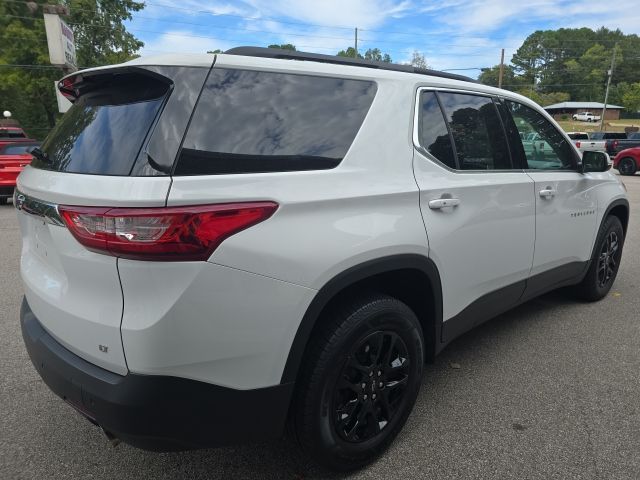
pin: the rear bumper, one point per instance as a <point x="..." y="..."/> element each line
<point x="159" y="413"/>
<point x="6" y="191"/>
<point x="8" y="177"/>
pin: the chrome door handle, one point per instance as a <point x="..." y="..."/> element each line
<point x="547" y="193"/>
<point x="439" y="203"/>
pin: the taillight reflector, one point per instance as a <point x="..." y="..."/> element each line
<point x="167" y="234"/>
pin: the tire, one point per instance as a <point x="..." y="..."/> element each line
<point x="372" y="341"/>
<point x="627" y="166"/>
<point x="605" y="261"/>
<point x="589" y="120"/>
<point x="4" y="200"/>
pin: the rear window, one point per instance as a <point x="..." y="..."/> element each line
<point x="105" y="128"/>
<point x="608" y="136"/>
<point x="578" y="136"/>
<point x="251" y="122"/>
<point x="18" y="149"/>
<point x="4" y="134"/>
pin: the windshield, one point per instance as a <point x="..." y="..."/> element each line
<point x="13" y="133"/>
<point x="18" y="149"/>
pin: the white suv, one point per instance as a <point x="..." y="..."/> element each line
<point x="214" y="246"/>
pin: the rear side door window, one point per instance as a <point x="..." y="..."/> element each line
<point x="544" y="147"/>
<point x="477" y="131"/>
<point x="252" y="122"/>
<point x="433" y="133"/>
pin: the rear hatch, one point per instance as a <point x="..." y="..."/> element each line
<point x="98" y="155"/>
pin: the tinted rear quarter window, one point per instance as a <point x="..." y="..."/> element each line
<point x="252" y="122"/>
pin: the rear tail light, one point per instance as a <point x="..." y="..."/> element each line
<point x="578" y="144"/>
<point x="67" y="88"/>
<point x="167" y="234"/>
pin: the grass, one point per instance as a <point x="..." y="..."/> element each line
<point x="609" y="125"/>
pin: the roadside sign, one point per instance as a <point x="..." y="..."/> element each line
<point x="63" y="103"/>
<point x="62" y="47"/>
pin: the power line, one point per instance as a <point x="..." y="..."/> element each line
<point x="91" y="25"/>
<point x="206" y="12"/>
<point x="279" y="34"/>
<point x="274" y="20"/>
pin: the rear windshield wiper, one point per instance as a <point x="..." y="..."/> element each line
<point x="40" y="155"/>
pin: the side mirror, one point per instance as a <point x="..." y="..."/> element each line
<point x="593" y="161"/>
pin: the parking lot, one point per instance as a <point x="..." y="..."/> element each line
<point x="549" y="390"/>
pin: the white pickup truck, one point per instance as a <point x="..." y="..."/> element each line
<point x="586" y="117"/>
<point x="583" y="142"/>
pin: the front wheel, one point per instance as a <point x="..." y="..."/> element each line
<point x="627" y="166"/>
<point x="360" y="381"/>
<point x="605" y="261"/>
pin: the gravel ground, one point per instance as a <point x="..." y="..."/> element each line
<point x="548" y="390"/>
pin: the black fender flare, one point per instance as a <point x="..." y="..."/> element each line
<point x="347" y="278"/>
<point x="616" y="203"/>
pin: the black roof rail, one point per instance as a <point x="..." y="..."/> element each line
<point x="356" y="62"/>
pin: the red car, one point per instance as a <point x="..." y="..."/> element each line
<point x="13" y="158"/>
<point x="11" y="133"/>
<point x="627" y="162"/>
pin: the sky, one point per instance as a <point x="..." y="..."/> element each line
<point x="455" y="35"/>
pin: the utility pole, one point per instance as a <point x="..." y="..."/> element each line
<point x="355" y="48"/>
<point x="501" y="69"/>
<point x="606" y="94"/>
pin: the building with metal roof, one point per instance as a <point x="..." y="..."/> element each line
<point x="560" y="110"/>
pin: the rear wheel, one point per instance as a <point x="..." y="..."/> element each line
<point x="627" y="166"/>
<point x="4" y="200"/>
<point x="359" y="382"/>
<point x="605" y="261"/>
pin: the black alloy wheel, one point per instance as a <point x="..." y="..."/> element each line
<point x="627" y="166"/>
<point x="359" y="381"/>
<point x="608" y="260"/>
<point x="371" y="387"/>
<point x="605" y="261"/>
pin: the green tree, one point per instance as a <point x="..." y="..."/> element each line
<point x="510" y="81"/>
<point x="28" y="91"/>
<point x="217" y="50"/>
<point x="418" y="60"/>
<point x="98" y="27"/>
<point x="349" y="52"/>
<point x="374" y="54"/>
<point x="631" y="98"/>
<point x="284" y="46"/>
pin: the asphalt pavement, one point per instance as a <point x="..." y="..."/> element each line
<point x="550" y="390"/>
